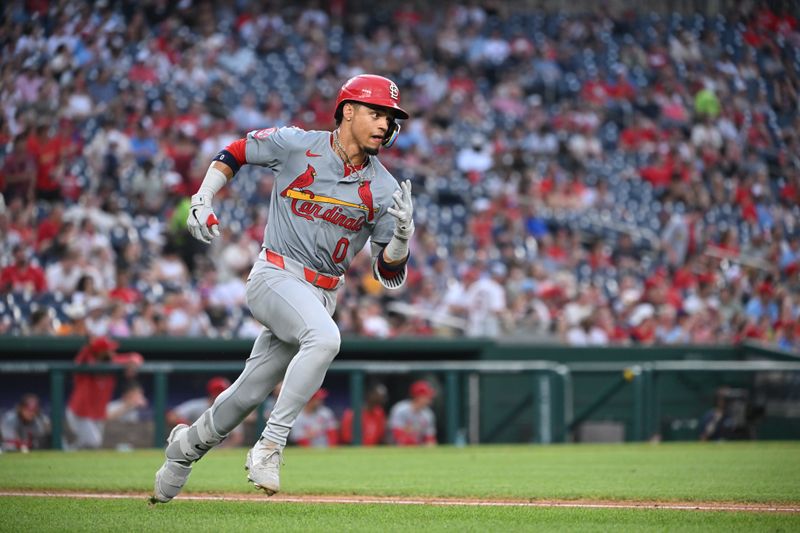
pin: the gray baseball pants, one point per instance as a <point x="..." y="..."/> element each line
<point x="88" y="432"/>
<point x="297" y="345"/>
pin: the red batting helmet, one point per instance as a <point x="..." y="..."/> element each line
<point x="370" y="89"/>
<point x="216" y="385"/>
<point x="421" y="388"/>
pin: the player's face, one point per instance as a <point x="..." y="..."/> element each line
<point x="370" y="126"/>
<point x="423" y="401"/>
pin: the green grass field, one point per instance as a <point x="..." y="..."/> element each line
<point x="695" y="472"/>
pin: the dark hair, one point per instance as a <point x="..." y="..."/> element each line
<point x="130" y="385"/>
<point x="339" y="114"/>
<point x="84" y="282"/>
<point x="38" y="314"/>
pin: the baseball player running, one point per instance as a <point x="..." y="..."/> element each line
<point x="331" y="194"/>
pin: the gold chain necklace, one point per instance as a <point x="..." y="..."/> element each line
<point x="338" y="145"/>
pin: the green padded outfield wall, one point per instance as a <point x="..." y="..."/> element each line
<point x="682" y="398"/>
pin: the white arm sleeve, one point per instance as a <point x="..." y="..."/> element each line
<point x="214" y="181"/>
<point x="397" y="249"/>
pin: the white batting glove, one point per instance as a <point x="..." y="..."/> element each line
<point x="403" y="211"/>
<point x="202" y="222"/>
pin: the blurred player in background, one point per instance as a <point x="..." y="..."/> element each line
<point x="91" y="392"/>
<point x="272" y="399"/>
<point x="373" y="418"/>
<point x="130" y="406"/>
<point x="316" y="424"/>
<point x="192" y="409"/>
<point x="25" y="427"/>
<point x="412" y="421"/>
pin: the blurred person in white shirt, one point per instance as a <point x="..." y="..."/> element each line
<point x="486" y="303"/>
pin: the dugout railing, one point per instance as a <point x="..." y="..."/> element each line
<point x="542" y="374"/>
<point x="551" y="389"/>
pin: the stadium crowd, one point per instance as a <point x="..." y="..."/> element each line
<point x="606" y="179"/>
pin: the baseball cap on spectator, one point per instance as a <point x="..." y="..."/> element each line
<point x="103" y="344"/>
<point x="217" y="385"/>
<point x="551" y="291"/>
<point x="640" y="313"/>
<point x="421" y="388"/>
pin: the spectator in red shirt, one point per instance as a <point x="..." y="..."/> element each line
<point x="595" y="90"/>
<point x="50" y="227"/>
<point x="22" y="275"/>
<point x="17" y="173"/>
<point x="373" y="418"/>
<point x="124" y="290"/>
<point x="641" y="135"/>
<point x="46" y="150"/>
<point x="622" y="89"/>
<point x="91" y="392"/>
<point x="659" y="174"/>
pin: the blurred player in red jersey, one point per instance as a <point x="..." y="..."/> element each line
<point x="91" y="392"/>
<point x="373" y="418"/>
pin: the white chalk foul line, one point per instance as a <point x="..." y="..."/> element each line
<point x="411" y="501"/>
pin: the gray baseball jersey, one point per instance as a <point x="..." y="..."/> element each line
<point x="421" y="424"/>
<point x="314" y="427"/>
<point x="17" y="434"/>
<point x="321" y="215"/>
<point x="318" y="216"/>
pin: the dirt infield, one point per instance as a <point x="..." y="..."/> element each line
<point x="388" y="500"/>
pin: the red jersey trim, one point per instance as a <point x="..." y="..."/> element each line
<point x="237" y="150"/>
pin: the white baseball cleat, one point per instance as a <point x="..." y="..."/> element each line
<point x="263" y="467"/>
<point x="172" y="475"/>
